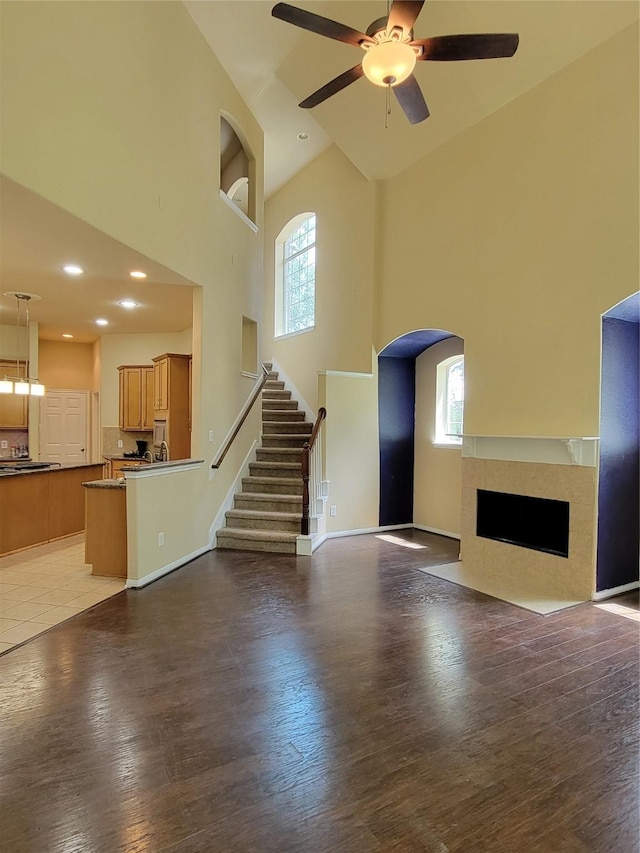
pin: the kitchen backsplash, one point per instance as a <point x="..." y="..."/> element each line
<point x="112" y="435"/>
<point x="15" y="437"/>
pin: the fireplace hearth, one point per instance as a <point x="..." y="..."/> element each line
<point x="540" y="524"/>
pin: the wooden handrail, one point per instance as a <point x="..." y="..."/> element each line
<point x="306" y="456"/>
<point x="243" y="416"/>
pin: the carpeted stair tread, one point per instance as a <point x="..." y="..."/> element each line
<point x="264" y="520"/>
<point x="247" y="533"/>
<point x="265" y="514"/>
<point x="267" y="498"/>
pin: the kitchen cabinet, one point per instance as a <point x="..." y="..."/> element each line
<point x="172" y="395"/>
<point x="105" y="546"/>
<point x="40" y="506"/>
<point x="14" y="408"/>
<point x="136" y="384"/>
<point x="161" y="383"/>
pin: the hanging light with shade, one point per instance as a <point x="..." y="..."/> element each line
<point x="18" y="384"/>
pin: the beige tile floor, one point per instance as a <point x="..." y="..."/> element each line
<point x="43" y="586"/>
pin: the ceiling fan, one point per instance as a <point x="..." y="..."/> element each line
<point x="391" y="52"/>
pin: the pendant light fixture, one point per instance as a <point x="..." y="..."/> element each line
<point x="22" y="385"/>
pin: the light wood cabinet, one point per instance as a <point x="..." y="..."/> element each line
<point x="161" y="384"/>
<point x="172" y="395"/>
<point x="105" y="546"/>
<point x="40" y="506"/>
<point x="136" y="397"/>
<point x="14" y="408"/>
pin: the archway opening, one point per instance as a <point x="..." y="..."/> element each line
<point x="619" y="479"/>
<point x="420" y="473"/>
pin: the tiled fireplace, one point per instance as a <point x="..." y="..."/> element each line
<point x="507" y="475"/>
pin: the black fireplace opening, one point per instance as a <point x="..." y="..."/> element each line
<point x="538" y="523"/>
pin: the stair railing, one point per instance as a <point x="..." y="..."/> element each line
<point x="311" y="471"/>
<point x="217" y="462"/>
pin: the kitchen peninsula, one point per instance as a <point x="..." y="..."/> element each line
<point x="38" y="505"/>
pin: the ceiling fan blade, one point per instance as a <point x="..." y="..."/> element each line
<point x="411" y="100"/>
<point x="332" y="87"/>
<point x="318" y="24"/>
<point x="403" y="13"/>
<point x="472" y="46"/>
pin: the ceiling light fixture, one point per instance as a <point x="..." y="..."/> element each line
<point x="303" y="136"/>
<point x="102" y="322"/>
<point x="67" y="336"/>
<point x="21" y="383"/>
<point x="128" y="303"/>
<point x="137" y="274"/>
<point x="73" y="269"/>
<point x="389" y="63"/>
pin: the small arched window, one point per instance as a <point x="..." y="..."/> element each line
<point x="295" y="304"/>
<point x="450" y="400"/>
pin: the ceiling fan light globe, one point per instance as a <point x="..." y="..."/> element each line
<point x="389" y="63"/>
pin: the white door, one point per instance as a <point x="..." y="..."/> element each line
<point x="63" y="427"/>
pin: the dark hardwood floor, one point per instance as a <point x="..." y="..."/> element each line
<point x="343" y="703"/>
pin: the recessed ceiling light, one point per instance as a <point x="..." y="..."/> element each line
<point x="102" y="322"/>
<point x="72" y="269"/>
<point x="67" y="336"/>
<point x="128" y="303"/>
<point x="137" y="274"/>
<point x="303" y="136"/>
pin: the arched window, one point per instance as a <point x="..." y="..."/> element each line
<point x="295" y="305"/>
<point x="450" y="400"/>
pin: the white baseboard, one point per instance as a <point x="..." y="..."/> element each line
<point x="164" y="570"/>
<point x="306" y="545"/>
<point x="447" y="533"/>
<point x="616" y="590"/>
<point x="227" y="504"/>
<point x="338" y="534"/>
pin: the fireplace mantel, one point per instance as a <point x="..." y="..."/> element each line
<point x="553" y="450"/>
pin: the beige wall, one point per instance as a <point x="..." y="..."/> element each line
<point x="437" y="485"/>
<point x="532" y="233"/>
<point x="66" y="366"/>
<point x="132" y="349"/>
<point x="14" y="341"/>
<point x="345" y="205"/>
<point x="351" y="448"/>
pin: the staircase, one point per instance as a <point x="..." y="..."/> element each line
<point x="267" y="512"/>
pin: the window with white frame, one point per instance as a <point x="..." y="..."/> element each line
<point x="295" y="303"/>
<point x="449" y="400"/>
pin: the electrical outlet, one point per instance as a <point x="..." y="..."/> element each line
<point x="120" y="443"/>
<point x="333" y="510"/>
<point x="160" y="539"/>
<point x="210" y="435"/>
<point x="4" y="445"/>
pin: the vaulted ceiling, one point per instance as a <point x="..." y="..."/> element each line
<point x="275" y="65"/>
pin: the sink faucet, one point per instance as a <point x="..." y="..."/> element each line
<point x="164" y="451"/>
<point x="147" y="456"/>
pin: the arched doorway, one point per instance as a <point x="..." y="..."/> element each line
<point x="419" y="477"/>
<point x="619" y="481"/>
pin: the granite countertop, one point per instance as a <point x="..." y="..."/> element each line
<point x="172" y="463"/>
<point x="118" y="456"/>
<point x="118" y="483"/>
<point x="22" y="471"/>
